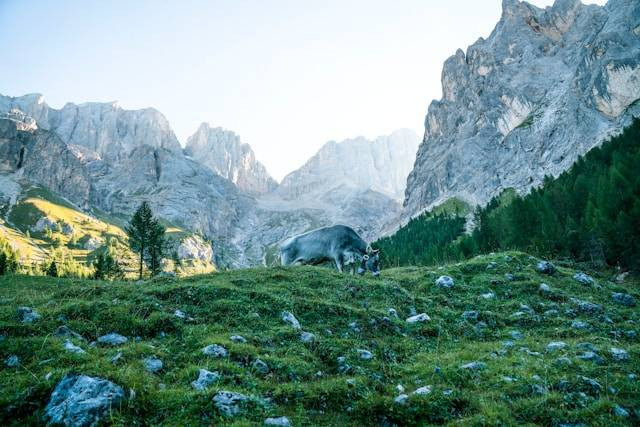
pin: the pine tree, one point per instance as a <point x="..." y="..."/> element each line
<point x="106" y="267"/>
<point x="3" y="263"/>
<point x="52" y="270"/>
<point x="139" y="231"/>
<point x="157" y="246"/>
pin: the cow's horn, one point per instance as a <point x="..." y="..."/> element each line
<point x="369" y="249"/>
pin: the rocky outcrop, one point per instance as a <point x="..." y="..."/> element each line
<point x="222" y="152"/>
<point x="545" y="87"/>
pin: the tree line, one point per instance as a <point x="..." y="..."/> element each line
<point x="591" y="212"/>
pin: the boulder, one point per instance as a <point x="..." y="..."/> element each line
<point x="81" y="400"/>
<point x="205" y="379"/>
<point x="619" y="354"/>
<point x="215" y="350"/>
<point x="418" y="318"/>
<point x="277" y="421"/>
<point x="153" y="364"/>
<point x="401" y="399"/>
<point x="112" y="339"/>
<point x="238" y="339"/>
<point x="260" y="366"/>
<point x="556" y="345"/>
<point x="71" y="348"/>
<point x="307" y="337"/>
<point x="28" y="315"/>
<point x="45" y="223"/>
<point x="445" y="282"/>
<point x="583" y="279"/>
<point x="289" y="318"/>
<point x="229" y="403"/>
<point x="623" y="299"/>
<point x="544" y="288"/>
<point x="545" y="267"/>
<point x="364" y="354"/>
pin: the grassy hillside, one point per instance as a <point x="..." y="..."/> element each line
<point x="74" y="237"/>
<point x="522" y="381"/>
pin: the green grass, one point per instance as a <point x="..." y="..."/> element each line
<point x="304" y="382"/>
<point x="452" y="206"/>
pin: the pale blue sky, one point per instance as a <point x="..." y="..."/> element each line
<point x="287" y="75"/>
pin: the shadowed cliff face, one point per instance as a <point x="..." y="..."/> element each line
<point x="543" y="89"/>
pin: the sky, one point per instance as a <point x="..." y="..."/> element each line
<point x="286" y="75"/>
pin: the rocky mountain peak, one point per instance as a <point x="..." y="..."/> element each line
<point x="544" y="88"/>
<point x="222" y="151"/>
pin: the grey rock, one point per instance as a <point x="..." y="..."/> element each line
<point x="423" y="390"/>
<point x="619" y="354"/>
<point x="112" y="339"/>
<point x="579" y="324"/>
<point x="619" y="411"/>
<point x="583" y="279"/>
<point x="71" y="348"/>
<point x="545" y="267"/>
<point x="544" y="288"/>
<point x="230" y="403"/>
<point x="238" y="339"/>
<point x="307" y="337"/>
<point x="364" y="354"/>
<point x="116" y="359"/>
<point x="499" y="125"/>
<point x="65" y="332"/>
<point x="215" y="350"/>
<point x="470" y="315"/>
<point x="260" y="366"/>
<point x="81" y="400"/>
<point x="444" y="282"/>
<point x="624" y="299"/>
<point x="591" y="357"/>
<point x="510" y="277"/>
<point x="586" y="346"/>
<point x="393" y="313"/>
<point x="277" y="421"/>
<point x="563" y="361"/>
<point x="488" y="295"/>
<point x="516" y="335"/>
<point x="153" y="364"/>
<point x="474" y="366"/>
<point x="12" y="361"/>
<point x="205" y="379"/>
<point x="401" y="399"/>
<point x="593" y="384"/>
<point x="28" y="315"/>
<point x="289" y="318"/>
<point x="556" y="345"/>
<point x="418" y="318"/>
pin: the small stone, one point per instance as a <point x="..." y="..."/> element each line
<point x="418" y="318"/>
<point x="238" y="339"/>
<point x="579" y="324"/>
<point x="229" y="403"/>
<point x="474" y="366"/>
<point x="115" y="359"/>
<point x="595" y="385"/>
<point x="510" y="277"/>
<point x="400" y="388"/>
<point x="12" y="361"/>
<point x="444" y="282"/>
<point x="205" y="379"/>
<point x="28" y="315"/>
<point x="623" y="299"/>
<point x="289" y="318"/>
<point x="516" y="335"/>
<point x="556" y="345"/>
<point x="619" y="354"/>
<point x="65" y="332"/>
<point x="545" y="267"/>
<point x="544" y="288"/>
<point x="423" y="390"/>
<point x="583" y="279"/>
<point x="215" y="350"/>
<point x="354" y="327"/>
<point x="539" y="389"/>
<point x="591" y="357"/>
<point x="278" y="421"/>
<point x="563" y="361"/>
<point x="153" y="364"/>
<point x="351" y="382"/>
<point x="260" y="366"/>
<point x="71" y="348"/>
<point x="392" y="312"/>
<point x="619" y="411"/>
<point x="80" y="400"/>
<point x="491" y="266"/>
<point x="488" y="295"/>
<point x="551" y="312"/>
<point x="586" y="346"/>
<point x="307" y="337"/>
<point x="620" y="278"/>
<point x="364" y="354"/>
<point x="470" y="315"/>
<point x="401" y="399"/>
<point x="507" y="379"/>
<point x="112" y="339"/>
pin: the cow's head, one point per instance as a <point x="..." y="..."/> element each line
<point x="370" y="260"/>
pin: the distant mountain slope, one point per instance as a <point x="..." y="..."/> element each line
<point x="222" y="152"/>
<point x="545" y="87"/>
<point x="381" y="165"/>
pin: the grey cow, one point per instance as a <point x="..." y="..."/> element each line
<point x="338" y="243"/>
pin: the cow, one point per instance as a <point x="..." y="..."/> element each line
<point x="338" y="244"/>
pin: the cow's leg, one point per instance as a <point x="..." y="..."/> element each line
<point x="338" y="264"/>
